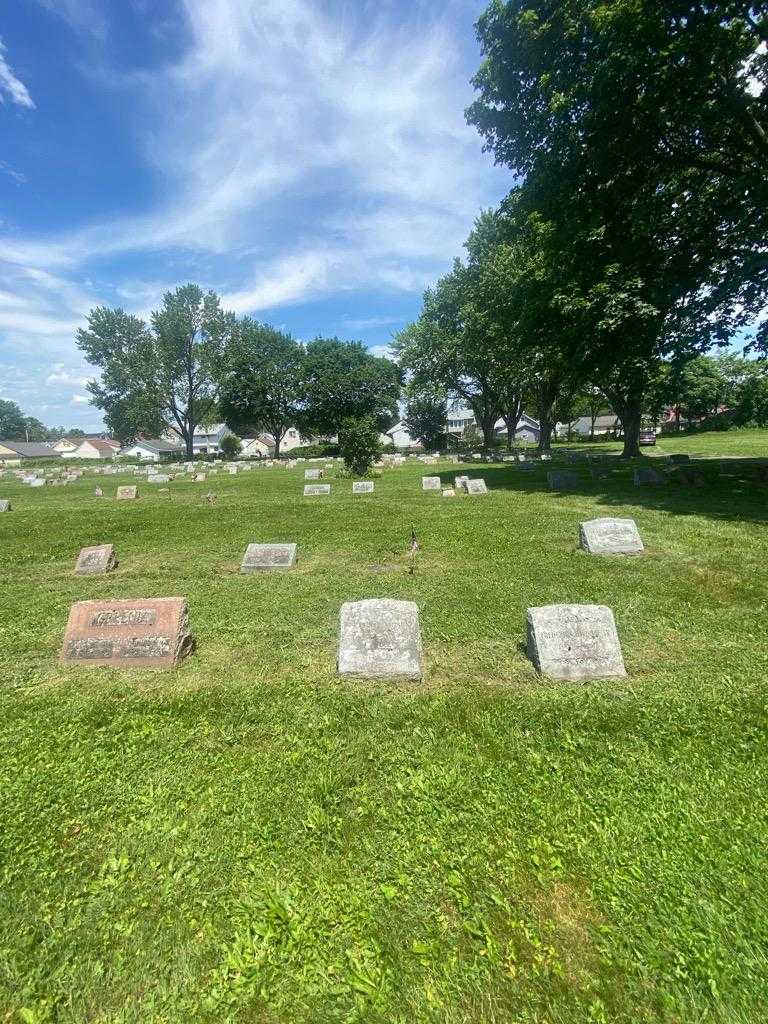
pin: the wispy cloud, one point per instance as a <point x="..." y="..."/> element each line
<point x="10" y="84"/>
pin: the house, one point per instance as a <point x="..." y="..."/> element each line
<point x="527" y="429"/>
<point x="260" y="446"/>
<point x="94" y="448"/>
<point x="399" y="437"/>
<point x="66" y="445"/>
<point x="606" y="425"/>
<point x="206" y="439"/>
<point x="12" y="452"/>
<point x="155" y="450"/>
<point x="460" y="418"/>
<point x="291" y="440"/>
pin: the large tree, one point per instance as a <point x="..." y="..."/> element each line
<point x="262" y="382"/>
<point x="641" y="133"/>
<point x="341" y="380"/>
<point x="165" y="374"/>
<point x="425" y="418"/>
<point x="12" y="421"/>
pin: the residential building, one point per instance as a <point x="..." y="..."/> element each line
<point x="260" y="446"/>
<point x="605" y="426"/>
<point x="94" y="448"/>
<point x="399" y="437"/>
<point x="154" y="450"/>
<point x="13" y="452"/>
<point x="460" y="417"/>
<point x="527" y="429"/>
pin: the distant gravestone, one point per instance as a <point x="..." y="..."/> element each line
<point x="232" y="470"/>
<point x="199" y="478"/>
<point x="449" y="492"/>
<point x="5" y="505"/>
<point x="312" y="490"/>
<point x="95" y="561"/>
<point x="610" y="537"/>
<point x="263" y="557"/>
<point x="649" y="476"/>
<point x="127" y="493"/>
<point x="158" y="478"/>
<point x="431" y="483"/>
<point x="380" y="639"/>
<point x="127" y="634"/>
<point x="37" y="482"/>
<point x="575" y="641"/>
<point x="362" y="487"/>
<point x="313" y="474"/>
<point x="476" y="487"/>
<point x="460" y="482"/>
<point x="562" y="480"/>
<point x="98" y="493"/>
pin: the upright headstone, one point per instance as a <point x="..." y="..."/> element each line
<point x="199" y="478"/>
<point x="127" y="493"/>
<point x="263" y="557"/>
<point x="95" y="561"/>
<point x="316" y="490"/>
<point x="37" y="482"/>
<point x="460" y="483"/>
<point x="649" y="476"/>
<point x="5" y="505"/>
<point x="362" y="487"/>
<point x="476" y="487"/>
<point x="128" y="634"/>
<point x="313" y="474"/>
<point x="158" y="478"/>
<point x="380" y="639"/>
<point x="431" y="483"/>
<point x="98" y="492"/>
<point x="562" y="480"/>
<point x="449" y="492"/>
<point x="610" y="537"/>
<point x="575" y="641"/>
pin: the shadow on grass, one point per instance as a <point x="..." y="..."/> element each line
<point x="727" y="488"/>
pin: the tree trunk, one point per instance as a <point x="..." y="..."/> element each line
<point x="630" y="413"/>
<point x="592" y="428"/>
<point x="546" y="426"/>
<point x="278" y="439"/>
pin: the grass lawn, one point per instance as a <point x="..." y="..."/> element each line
<point x="249" y="839"/>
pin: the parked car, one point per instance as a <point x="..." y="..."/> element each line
<point x="647" y="437"/>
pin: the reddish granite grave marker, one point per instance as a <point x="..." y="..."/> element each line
<point x="147" y="633"/>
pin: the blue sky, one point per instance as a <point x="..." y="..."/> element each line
<point x="307" y="159"/>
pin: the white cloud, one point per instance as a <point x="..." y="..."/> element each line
<point x="80" y="400"/>
<point x="384" y="351"/>
<point x="10" y="84"/>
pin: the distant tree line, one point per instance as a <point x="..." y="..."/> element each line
<point x="194" y="363"/>
<point x="633" y="240"/>
<point x="15" y="426"/>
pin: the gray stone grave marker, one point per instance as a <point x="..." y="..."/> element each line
<point x="610" y="537"/>
<point x="5" y="505"/>
<point x="431" y="483"/>
<point x="380" y="639"/>
<point x="316" y="490"/>
<point x="449" y="492"/>
<point x="362" y="487"/>
<point x="476" y="487"/>
<point x="649" y="476"/>
<point x="575" y="641"/>
<point x="96" y="561"/>
<point x="127" y="493"/>
<point x="313" y="474"/>
<point x="263" y="557"/>
<point x="562" y="480"/>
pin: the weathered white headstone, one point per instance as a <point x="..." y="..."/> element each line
<point x="199" y="478"/>
<point x="232" y="470"/>
<point x="158" y="478"/>
<point x="95" y="560"/>
<point x="312" y="490"/>
<point x="263" y="557"/>
<point x="610" y="537"/>
<point x="575" y="641"/>
<point x="98" y="492"/>
<point x="313" y="474"/>
<point x="476" y="487"/>
<point x="37" y="482"/>
<point x="460" y="483"/>
<point x="127" y="493"/>
<point x="562" y="480"/>
<point x="5" y="505"/>
<point x="380" y="639"/>
<point x="449" y="492"/>
<point x="649" y="476"/>
<point x="431" y="483"/>
<point x="362" y="487"/>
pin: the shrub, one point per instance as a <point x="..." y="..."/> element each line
<point x="323" y="450"/>
<point x="230" y="446"/>
<point x="359" y="445"/>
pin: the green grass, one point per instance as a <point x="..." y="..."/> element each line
<point x="250" y="839"/>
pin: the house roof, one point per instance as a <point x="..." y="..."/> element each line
<point x="210" y="431"/>
<point x="156" y="444"/>
<point x="31" y="450"/>
<point x="101" y="445"/>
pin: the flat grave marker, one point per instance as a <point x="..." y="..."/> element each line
<point x="127" y="493"/>
<point x="316" y="490"/>
<point x="562" y="480"/>
<point x="146" y="633"/>
<point x="96" y="560"/>
<point x="5" y="505"/>
<point x="313" y="474"/>
<point x="431" y="483"/>
<point x="574" y="642"/>
<point x="449" y="492"/>
<point x="649" y="476"/>
<point x="608" y="536"/>
<point x="476" y="487"/>
<point x="265" y="557"/>
<point x="362" y="487"/>
<point x="380" y="639"/>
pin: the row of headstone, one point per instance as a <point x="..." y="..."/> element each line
<point x="461" y="483"/>
<point x="377" y="638"/>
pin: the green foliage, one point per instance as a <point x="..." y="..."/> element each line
<point x="341" y="380"/>
<point x="164" y="374"/>
<point x="12" y="420"/>
<point x="261" y="386"/>
<point x="323" y="449"/>
<point x="359" y="444"/>
<point x="425" y="420"/>
<point x="230" y="446"/>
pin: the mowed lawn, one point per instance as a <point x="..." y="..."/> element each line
<point x="250" y="839"/>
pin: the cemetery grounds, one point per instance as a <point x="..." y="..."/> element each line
<point x="248" y="838"/>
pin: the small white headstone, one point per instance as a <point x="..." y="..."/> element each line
<point x="431" y="483"/>
<point x="362" y="487"/>
<point x="5" y="505"/>
<point x="449" y="492"/>
<point x="313" y="474"/>
<point x="575" y="641"/>
<point x="460" y="482"/>
<point x="610" y="537"/>
<point x="312" y="490"/>
<point x="476" y="487"/>
<point x="158" y="478"/>
<point x="380" y="639"/>
<point x="261" y="557"/>
<point x="127" y="493"/>
<point x="199" y="478"/>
